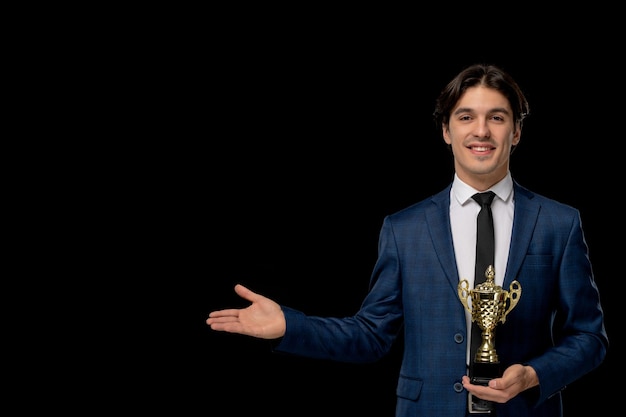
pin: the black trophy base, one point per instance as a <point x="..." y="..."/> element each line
<point x="481" y="374"/>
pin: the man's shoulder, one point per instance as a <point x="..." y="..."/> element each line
<point x="437" y="201"/>
<point x="525" y="196"/>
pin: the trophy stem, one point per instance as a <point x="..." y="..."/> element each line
<point x="486" y="352"/>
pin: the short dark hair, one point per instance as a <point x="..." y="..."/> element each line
<point x="489" y="76"/>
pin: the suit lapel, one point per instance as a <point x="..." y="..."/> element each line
<point x="524" y="220"/>
<point x="438" y="220"/>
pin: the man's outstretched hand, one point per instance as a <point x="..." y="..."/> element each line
<point x="263" y="318"/>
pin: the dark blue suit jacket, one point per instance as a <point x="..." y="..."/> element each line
<point x="556" y="327"/>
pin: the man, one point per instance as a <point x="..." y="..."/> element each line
<point x="553" y="336"/>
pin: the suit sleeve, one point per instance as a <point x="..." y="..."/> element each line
<point x="580" y="337"/>
<point x="363" y="338"/>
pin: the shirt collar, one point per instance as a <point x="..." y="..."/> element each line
<point x="463" y="192"/>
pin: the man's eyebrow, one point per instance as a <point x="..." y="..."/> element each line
<point x="470" y="110"/>
<point x="462" y="110"/>
<point x="499" y="110"/>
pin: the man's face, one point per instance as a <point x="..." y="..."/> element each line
<point x="481" y="133"/>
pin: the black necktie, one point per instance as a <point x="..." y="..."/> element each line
<point x="485" y="249"/>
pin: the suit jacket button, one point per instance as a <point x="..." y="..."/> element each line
<point x="458" y="387"/>
<point x="458" y="337"/>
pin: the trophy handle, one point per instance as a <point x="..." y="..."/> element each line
<point x="464" y="293"/>
<point x="515" y="291"/>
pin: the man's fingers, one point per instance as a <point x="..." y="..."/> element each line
<point x="245" y="293"/>
<point x="231" y="312"/>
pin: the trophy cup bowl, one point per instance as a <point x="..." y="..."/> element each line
<point x="488" y="305"/>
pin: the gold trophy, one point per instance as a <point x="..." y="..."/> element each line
<point x="489" y="305"/>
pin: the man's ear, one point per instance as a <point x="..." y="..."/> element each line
<point x="517" y="135"/>
<point x="445" y="132"/>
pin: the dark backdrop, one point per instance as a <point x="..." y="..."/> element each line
<point x="289" y="151"/>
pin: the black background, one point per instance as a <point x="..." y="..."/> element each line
<point x="286" y="151"/>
